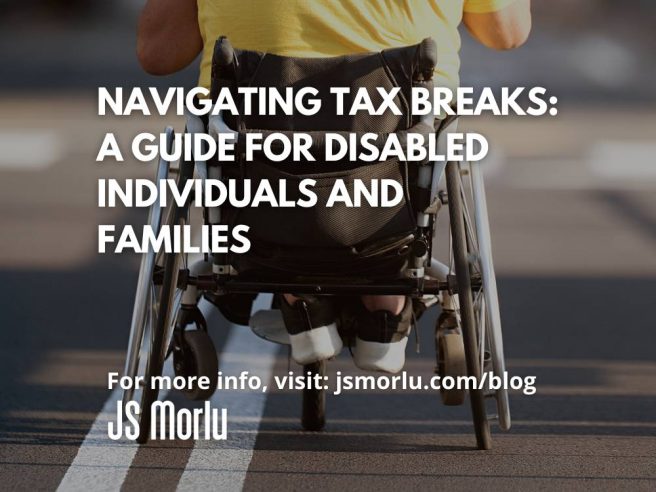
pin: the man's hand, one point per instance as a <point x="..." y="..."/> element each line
<point x="503" y="30"/>
<point x="168" y="37"/>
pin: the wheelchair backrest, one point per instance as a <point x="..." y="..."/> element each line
<point x="351" y="232"/>
<point x="396" y="67"/>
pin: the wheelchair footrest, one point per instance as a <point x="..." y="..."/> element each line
<point x="269" y="325"/>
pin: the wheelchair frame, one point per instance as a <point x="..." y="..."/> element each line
<point x="167" y="295"/>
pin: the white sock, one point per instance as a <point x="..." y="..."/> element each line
<point x="316" y="344"/>
<point x="376" y="356"/>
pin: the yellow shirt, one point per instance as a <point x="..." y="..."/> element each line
<point x="319" y="28"/>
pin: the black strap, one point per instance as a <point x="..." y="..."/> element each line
<point x="319" y="137"/>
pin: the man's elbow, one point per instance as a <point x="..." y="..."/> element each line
<point x="507" y="43"/>
<point x="519" y="37"/>
<point x="509" y="40"/>
<point x="515" y="25"/>
<point x="503" y="30"/>
<point x="151" y="60"/>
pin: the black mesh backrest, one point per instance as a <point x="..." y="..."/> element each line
<point x="346" y="230"/>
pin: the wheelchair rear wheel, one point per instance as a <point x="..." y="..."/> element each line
<point x="160" y="333"/>
<point x="462" y="250"/>
<point x="157" y="302"/>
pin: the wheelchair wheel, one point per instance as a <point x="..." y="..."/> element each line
<point x="462" y="257"/>
<point x="486" y="301"/>
<point x="313" y="418"/>
<point x="157" y="301"/>
<point x="160" y="336"/>
<point x="197" y="357"/>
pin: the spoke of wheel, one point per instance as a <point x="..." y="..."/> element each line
<point x="478" y="306"/>
<point x="450" y="250"/>
<point x="468" y="224"/>
<point x="471" y="183"/>
<point x="483" y="327"/>
<point x="174" y="317"/>
<point x="153" y="304"/>
<point x="469" y="229"/>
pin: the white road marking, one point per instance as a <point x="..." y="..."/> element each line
<point x="30" y="150"/>
<point x="569" y="175"/>
<point x="209" y="460"/>
<point x="102" y="464"/>
<point x="494" y="163"/>
<point x="614" y="165"/>
<point x="614" y="160"/>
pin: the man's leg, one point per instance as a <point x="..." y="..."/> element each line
<point x="311" y="324"/>
<point x="383" y="329"/>
<point x="393" y="304"/>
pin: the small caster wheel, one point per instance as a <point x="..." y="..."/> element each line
<point x="313" y="418"/>
<point x="197" y="357"/>
<point x="451" y="362"/>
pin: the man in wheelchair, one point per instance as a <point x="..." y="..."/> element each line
<point x="369" y="244"/>
<point x="343" y="275"/>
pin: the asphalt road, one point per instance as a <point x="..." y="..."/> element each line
<point x="573" y="214"/>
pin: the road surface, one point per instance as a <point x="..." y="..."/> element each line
<point x="573" y="214"/>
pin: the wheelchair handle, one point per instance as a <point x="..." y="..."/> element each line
<point x="224" y="60"/>
<point x="426" y="59"/>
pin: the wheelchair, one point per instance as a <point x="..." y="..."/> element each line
<point x="336" y="252"/>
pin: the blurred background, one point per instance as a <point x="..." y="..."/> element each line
<point x="573" y="214"/>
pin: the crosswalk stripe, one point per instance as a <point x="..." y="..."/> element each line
<point x="222" y="465"/>
<point x="102" y="464"/>
<point x="29" y="150"/>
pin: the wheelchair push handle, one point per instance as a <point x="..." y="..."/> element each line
<point x="426" y="59"/>
<point x="224" y="53"/>
<point x="225" y="60"/>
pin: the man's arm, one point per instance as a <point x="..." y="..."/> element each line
<point x="168" y="37"/>
<point x="503" y="30"/>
